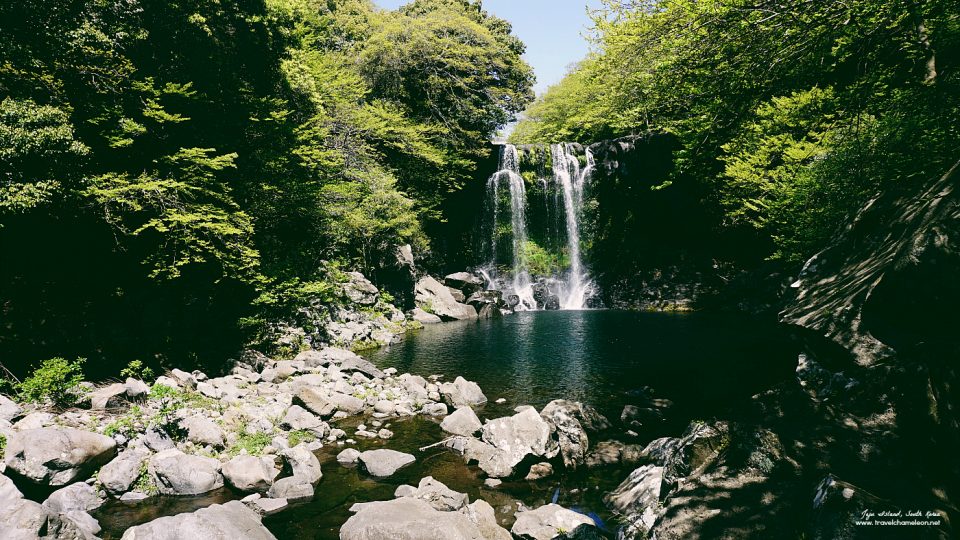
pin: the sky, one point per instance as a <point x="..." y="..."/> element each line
<point x="552" y="29"/>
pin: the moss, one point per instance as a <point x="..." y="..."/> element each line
<point x="145" y="483"/>
<point x="300" y="436"/>
<point x="3" y="445"/>
<point x="252" y="443"/>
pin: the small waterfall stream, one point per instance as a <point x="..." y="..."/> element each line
<point x="544" y="267"/>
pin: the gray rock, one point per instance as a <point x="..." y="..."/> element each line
<point x="324" y="357"/>
<point x="411" y="518"/>
<point x="8" y="409"/>
<point x="229" y="521"/>
<point x="457" y="295"/>
<point x="157" y="440"/>
<point x="384" y="462"/>
<point x="462" y="421"/>
<point x="293" y="489"/>
<point x="359" y="289"/>
<point x="184" y="379"/>
<point x="546" y="522"/>
<point x="136" y="388"/>
<point x="303" y="463"/>
<point x="348" y="456"/>
<point x="424" y="317"/>
<point x="433" y="297"/>
<point x="35" y="420"/>
<point x="614" y="453"/>
<point x="404" y="490"/>
<point x="79" y="496"/>
<point x="515" y="437"/>
<point x="347" y="404"/>
<point x="8" y="490"/>
<point x="356" y="364"/>
<point x="567" y="419"/>
<point x="266" y="506"/>
<point x="539" y="470"/>
<point x="57" y="457"/>
<point x="438" y="495"/>
<point x="22" y="519"/>
<point x="434" y="409"/>
<point x="464" y="281"/>
<point x="250" y="473"/>
<point x="298" y="418"/>
<point x="315" y="401"/>
<point x="462" y="392"/>
<point x="176" y="473"/>
<point x="203" y="431"/>
<point x="491" y="460"/>
<point x="118" y="476"/>
<point x="110" y="396"/>
<point x="384" y="407"/>
<point x="638" y="498"/>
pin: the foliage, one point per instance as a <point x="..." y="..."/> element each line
<point x="789" y="114"/>
<point x="541" y="262"/>
<point x="249" y="443"/>
<point x="56" y="380"/>
<point x="298" y="436"/>
<point x="3" y="445"/>
<point x="136" y="370"/>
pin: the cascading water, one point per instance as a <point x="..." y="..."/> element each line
<point x="557" y="207"/>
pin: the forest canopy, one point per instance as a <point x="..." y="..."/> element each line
<point x="171" y="171"/>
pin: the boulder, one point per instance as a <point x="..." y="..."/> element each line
<point x="458" y="295"/>
<point x="483" y="299"/>
<point x="298" y="418"/>
<point x="433" y="297"/>
<point x="465" y="281"/>
<point x="462" y="392"/>
<point x="565" y="419"/>
<point x="303" y="463"/>
<point x="315" y="401"/>
<point x="80" y="497"/>
<point x="57" y="457"/>
<point x="424" y="317"/>
<point x="549" y="522"/>
<point x="110" y="396"/>
<point x="384" y="462"/>
<point x="265" y="506"/>
<point x="22" y="519"/>
<point x="136" y="388"/>
<point x="8" y="490"/>
<point x="228" y="521"/>
<point x="638" y="498"/>
<point x="357" y="364"/>
<point x="203" y="431"/>
<point x="348" y="456"/>
<point x="250" y="473"/>
<point x="492" y="461"/>
<point x="438" y="495"/>
<point x="324" y="357"/>
<point x="515" y="437"/>
<point x="184" y="379"/>
<point x="293" y="489"/>
<point x="176" y="473"/>
<point x="360" y="290"/>
<point x="614" y="453"/>
<point x="462" y="421"/>
<point x="118" y="476"/>
<point x="348" y="404"/>
<point x="8" y="409"/>
<point x="412" y="518"/>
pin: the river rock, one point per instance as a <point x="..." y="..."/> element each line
<point x="8" y="490"/>
<point x="184" y="379"/>
<point x="458" y="295"/>
<point x="348" y="404"/>
<point x="549" y="522"/>
<point x="492" y="461"/>
<point x="433" y="297"/>
<point x="136" y="388"/>
<point x="293" y="489"/>
<point x="412" y="518"/>
<point x="567" y="419"/>
<point x="515" y="437"/>
<point x="118" y="476"/>
<point x="228" y="521"/>
<point x="348" y="456"/>
<point x="298" y="418"/>
<point x="462" y="421"/>
<point x="465" y="281"/>
<point x="424" y="317"/>
<point x="613" y="453"/>
<point x="384" y="462"/>
<point x="57" y="457"/>
<point x="203" y="431"/>
<point x="462" y="392"/>
<point x="638" y="498"/>
<point x="78" y="496"/>
<point x="303" y="463"/>
<point x="250" y="473"/>
<point x="9" y="410"/>
<point x="176" y="473"/>
<point x="315" y="401"/>
<point x="539" y="470"/>
<point x="110" y="396"/>
<point x="356" y="364"/>
<point x="22" y="519"/>
<point x="438" y="495"/>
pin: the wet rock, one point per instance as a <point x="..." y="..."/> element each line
<point x="176" y="473"/>
<point x="464" y="281"/>
<point x="232" y="520"/>
<point x="118" y="476"/>
<point x="462" y="421"/>
<point x="549" y="522"/>
<point x="384" y="462"/>
<point x="461" y="393"/>
<point x="57" y="457"/>
<point x="433" y="297"/>
<point x="110" y="396"/>
<point x="250" y="473"/>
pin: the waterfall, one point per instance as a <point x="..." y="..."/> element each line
<point x="567" y="173"/>
<point x="557" y="199"/>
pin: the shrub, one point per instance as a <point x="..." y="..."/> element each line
<point x="55" y="380"/>
<point x="136" y="370"/>
<point x="3" y="445"/>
